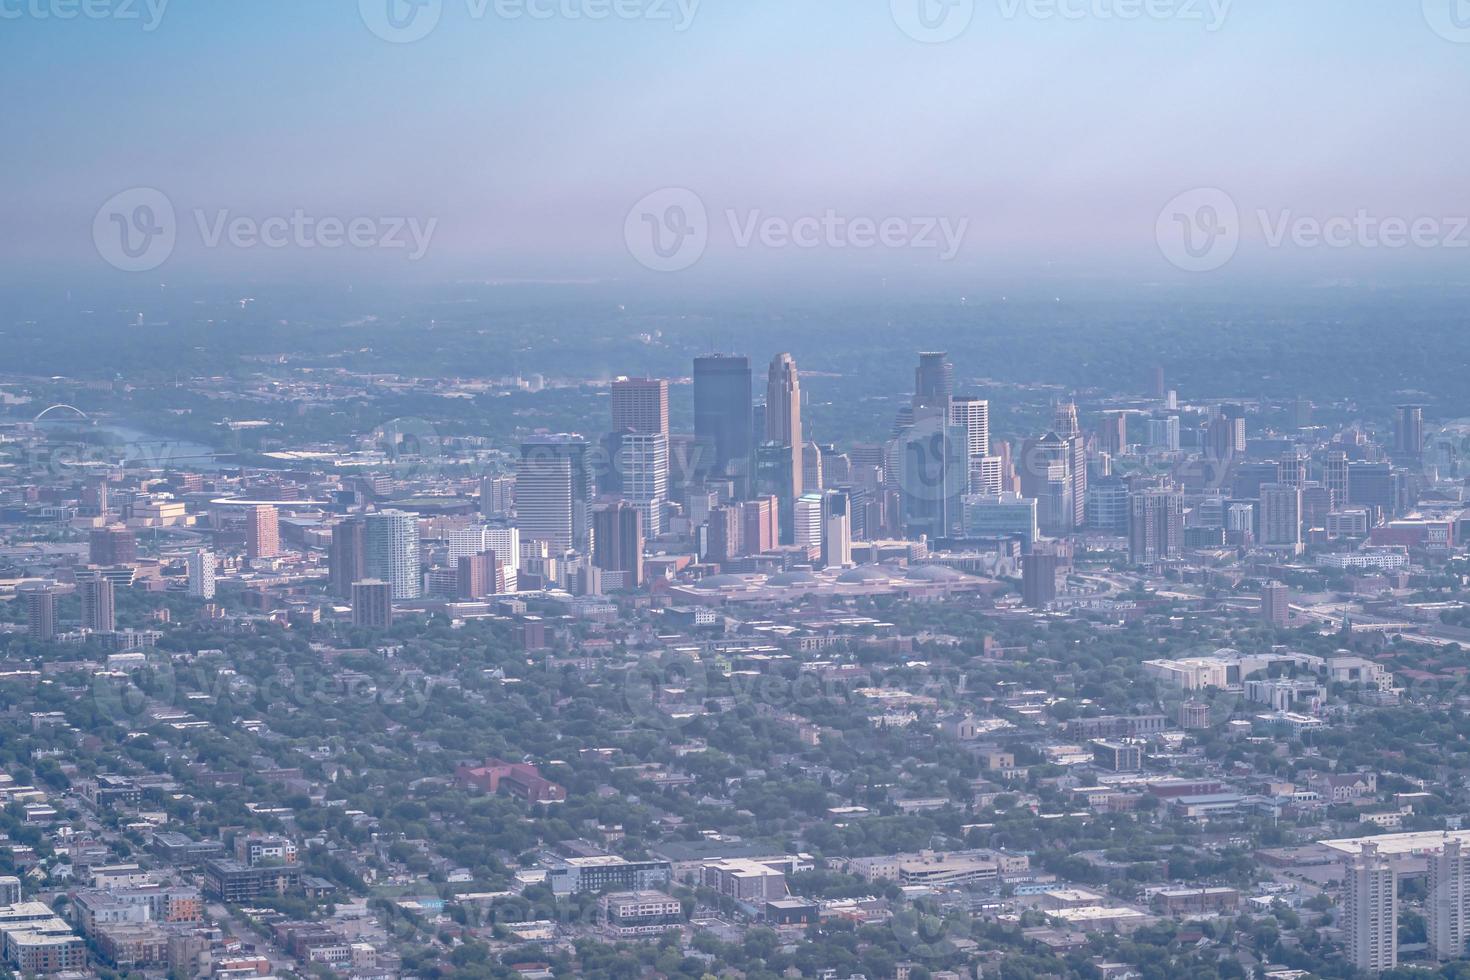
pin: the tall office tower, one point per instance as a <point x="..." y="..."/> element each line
<point x="1107" y="506"/>
<point x="1316" y="505"/>
<point x="476" y="576"/>
<point x="723" y="419"/>
<point x="929" y="465"/>
<point x="1234" y="414"/>
<point x="1447" y="908"/>
<point x="113" y="545"/>
<point x="813" y="467"/>
<point x="987" y="475"/>
<point x="1218" y="439"/>
<point x="1370" y="910"/>
<point x="867" y="460"/>
<point x="1292" y="471"/>
<point x="773" y="478"/>
<point x="262" y="532"/>
<point x="1240" y="524"/>
<point x="392" y="549"/>
<point x="1160" y="386"/>
<point x="98" y="609"/>
<point x="617" y="543"/>
<point x="201" y="574"/>
<point x="1276" y="604"/>
<point x="934" y="382"/>
<point x="760" y="525"/>
<point x="1064" y="419"/>
<point x="1335" y="475"/>
<point x="836" y="467"/>
<point x="1374" y="485"/>
<point x="497" y="496"/>
<point x="372" y="603"/>
<point x="1408" y="431"/>
<point x="643" y="461"/>
<point x="347" y="559"/>
<point x="1046" y="475"/>
<point x="723" y="542"/>
<point x="40" y="611"/>
<point x="862" y="511"/>
<point x="1163" y="433"/>
<point x="1010" y="482"/>
<point x="1155" y="525"/>
<point x="554" y="487"/>
<point x="807" y="522"/>
<point x="94" y="497"/>
<point x="836" y="529"/>
<point x="783" y="416"/>
<point x="642" y="405"/>
<point x="1112" y="433"/>
<point x="1250" y="477"/>
<point x="1039" y="578"/>
<point x="505" y="542"/>
<point x="972" y="415"/>
<point x="1066" y="425"/>
<point x="1281" y="517"/>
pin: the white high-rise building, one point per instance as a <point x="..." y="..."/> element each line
<point x="1447" y="909"/>
<point x="1370" y="910"/>
<point x="972" y="415"/>
<point x="987" y="475"/>
<point x="201" y="574"/>
<point x="392" y="539"/>
<point x="807" y="521"/>
<point x="497" y="496"/>
<point x="643" y="459"/>
<point x="504" y="542"/>
<point x="544" y="499"/>
<point x="836" y="530"/>
<point x="1281" y="516"/>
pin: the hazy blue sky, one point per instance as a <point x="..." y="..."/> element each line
<point x="1057" y="141"/>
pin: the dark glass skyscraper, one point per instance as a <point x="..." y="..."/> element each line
<point x="723" y="420"/>
<point x="934" y="381"/>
